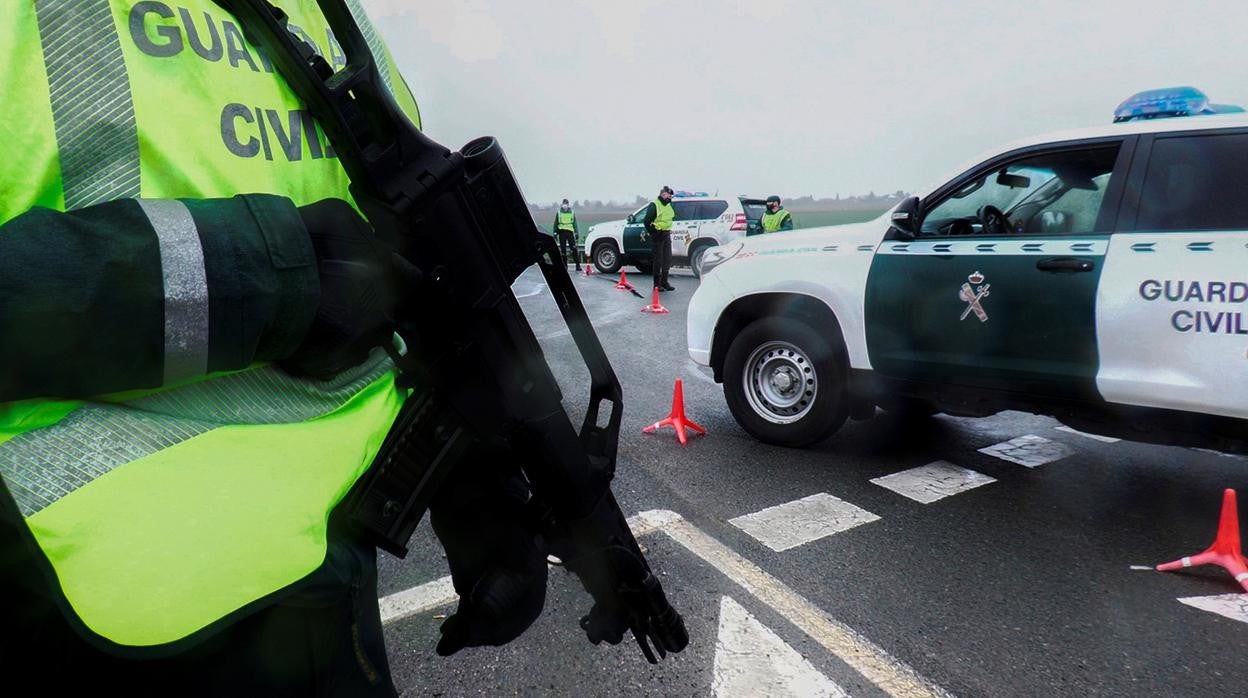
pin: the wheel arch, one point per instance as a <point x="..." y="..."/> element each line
<point x="797" y="306"/>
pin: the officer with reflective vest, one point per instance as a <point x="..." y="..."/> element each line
<point x="186" y="301"/>
<point x="776" y="217"/>
<point x="567" y="231"/>
<point x="658" y="221"/>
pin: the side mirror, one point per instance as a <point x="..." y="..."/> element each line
<point x="905" y="220"/>
<point x="630" y="219"/>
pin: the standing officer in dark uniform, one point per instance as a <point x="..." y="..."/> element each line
<point x="658" y="221"/>
<point x="566" y="231"/>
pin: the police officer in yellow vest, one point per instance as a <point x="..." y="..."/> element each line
<point x="658" y="221"/>
<point x="776" y="218"/>
<point x="186" y="393"/>
<point x="567" y="231"/>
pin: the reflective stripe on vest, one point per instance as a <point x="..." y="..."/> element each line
<point x="162" y="512"/>
<point x="773" y="221"/>
<point x="565" y="220"/>
<point x="664" y="214"/>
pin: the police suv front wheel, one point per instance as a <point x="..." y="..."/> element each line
<point x="785" y="384"/>
<point x="606" y="257"/>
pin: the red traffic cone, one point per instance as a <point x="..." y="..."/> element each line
<point x="1225" y="551"/>
<point x="588" y="270"/>
<point x="655" y="306"/>
<point x="677" y="418"/>
<point x="623" y="285"/>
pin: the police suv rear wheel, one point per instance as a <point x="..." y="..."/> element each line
<point x="695" y="258"/>
<point x="606" y="257"/>
<point x="785" y="384"/>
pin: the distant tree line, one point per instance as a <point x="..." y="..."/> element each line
<point x="809" y="202"/>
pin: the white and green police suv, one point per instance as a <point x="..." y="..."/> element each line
<point x="1099" y="276"/>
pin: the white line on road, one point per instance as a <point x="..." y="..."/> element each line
<point x="1097" y="437"/>
<point x="877" y="666"/>
<point x="751" y="660"/>
<point x="1030" y="450"/>
<point x="409" y="602"/>
<point x="527" y="289"/>
<point x="799" y="522"/>
<point x="608" y="319"/>
<point x="932" y="482"/>
<point x="1233" y="606"/>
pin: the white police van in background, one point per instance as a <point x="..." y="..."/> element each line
<point x="1099" y="276"/>
<point x="702" y="222"/>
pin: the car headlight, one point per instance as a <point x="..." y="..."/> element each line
<point x="717" y="256"/>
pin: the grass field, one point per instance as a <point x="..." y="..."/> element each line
<point x="801" y="219"/>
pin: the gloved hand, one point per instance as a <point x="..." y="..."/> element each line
<point x="356" y="305"/>
<point x="496" y="554"/>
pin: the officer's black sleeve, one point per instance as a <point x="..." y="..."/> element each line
<point x="137" y="294"/>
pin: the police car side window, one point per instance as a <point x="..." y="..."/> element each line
<point x="685" y="210"/>
<point x="1196" y="183"/>
<point x="710" y="210"/>
<point x="1047" y="194"/>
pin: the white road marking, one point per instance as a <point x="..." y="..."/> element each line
<point x="1030" y="450"/>
<point x="523" y="288"/>
<point x="933" y="482"/>
<point x="441" y="592"/>
<point x="751" y="660"/>
<point x="1097" y="437"/>
<point x="1220" y="454"/>
<point x="608" y="319"/>
<point x="409" y="602"/>
<point x="1233" y="606"/>
<point x="1142" y="568"/>
<point x="889" y="674"/>
<point x="880" y="668"/>
<point x="799" y="522"/>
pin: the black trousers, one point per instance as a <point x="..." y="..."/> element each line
<point x="567" y="239"/>
<point x="323" y="639"/>
<point x="662" y="260"/>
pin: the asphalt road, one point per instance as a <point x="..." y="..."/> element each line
<point x="1021" y="586"/>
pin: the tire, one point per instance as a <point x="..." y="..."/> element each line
<point x="644" y="267"/>
<point x="765" y="407"/>
<point x="606" y="257"/>
<point x="695" y="258"/>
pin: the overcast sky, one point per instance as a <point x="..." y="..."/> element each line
<point x="609" y="99"/>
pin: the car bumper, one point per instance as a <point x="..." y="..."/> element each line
<point x="705" y="307"/>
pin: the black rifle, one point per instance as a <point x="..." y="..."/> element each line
<point x="476" y="371"/>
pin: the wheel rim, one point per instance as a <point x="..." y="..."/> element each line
<point x="780" y="382"/>
<point x="606" y="257"/>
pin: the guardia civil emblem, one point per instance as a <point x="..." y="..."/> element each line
<point x="973" y="292"/>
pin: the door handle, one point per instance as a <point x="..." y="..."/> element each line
<point x="1065" y="265"/>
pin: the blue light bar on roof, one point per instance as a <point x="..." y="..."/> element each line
<point x="691" y="193"/>
<point x="1169" y="102"/>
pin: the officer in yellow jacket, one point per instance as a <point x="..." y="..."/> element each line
<point x="776" y="218"/>
<point x="567" y="230"/>
<point x="658" y="218"/>
<point x="186" y="392"/>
